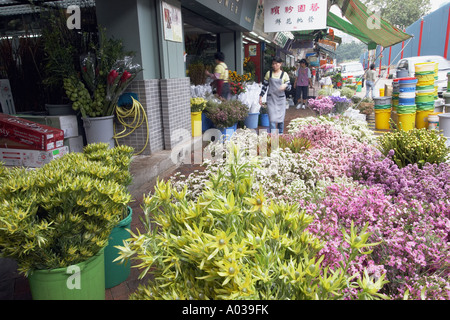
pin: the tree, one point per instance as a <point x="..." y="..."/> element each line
<point x="399" y="13"/>
<point x="350" y="51"/>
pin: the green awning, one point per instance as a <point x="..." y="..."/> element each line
<point x="333" y="21"/>
<point x="371" y="28"/>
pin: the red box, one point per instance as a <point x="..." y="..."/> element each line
<point x="28" y="134"/>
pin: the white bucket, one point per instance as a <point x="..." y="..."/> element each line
<point x="444" y="124"/>
<point x="433" y="122"/>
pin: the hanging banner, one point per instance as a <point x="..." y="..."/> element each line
<point x="294" y="15"/>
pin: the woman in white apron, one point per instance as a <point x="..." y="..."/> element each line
<point x="275" y="82"/>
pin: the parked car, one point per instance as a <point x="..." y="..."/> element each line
<point x="351" y="69"/>
<point x="444" y="68"/>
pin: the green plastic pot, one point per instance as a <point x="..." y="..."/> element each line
<point x="116" y="272"/>
<point x="82" y="281"/>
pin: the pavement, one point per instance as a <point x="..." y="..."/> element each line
<point x="146" y="170"/>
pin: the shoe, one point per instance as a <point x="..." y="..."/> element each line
<point x="298" y="106"/>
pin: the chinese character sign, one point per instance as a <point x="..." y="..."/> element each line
<point x="294" y="15"/>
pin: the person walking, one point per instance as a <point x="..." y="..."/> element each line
<point x="275" y="83"/>
<point x="220" y="76"/>
<point x="370" y="80"/>
<point x="302" y="81"/>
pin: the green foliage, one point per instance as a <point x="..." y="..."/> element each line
<point x="63" y="213"/>
<point x="233" y="243"/>
<point x="418" y="146"/>
<point x="197" y="73"/>
<point x="347" y="92"/>
<point x="350" y="51"/>
<point x="399" y="13"/>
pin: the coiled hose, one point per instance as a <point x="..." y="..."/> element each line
<point x="137" y="112"/>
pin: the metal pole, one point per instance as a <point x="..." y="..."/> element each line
<point x="420" y="38"/>
<point x="447" y="36"/>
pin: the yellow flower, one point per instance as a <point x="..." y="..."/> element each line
<point x="220" y="242"/>
<point x="230" y="270"/>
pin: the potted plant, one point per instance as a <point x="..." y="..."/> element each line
<point x="55" y="221"/>
<point x="367" y="106"/>
<point x="60" y="47"/>
<point x="226" y="114"/>
<point x="198" y="104"/>
<point x="119" y="157"/>
<point x="106" y="71"/>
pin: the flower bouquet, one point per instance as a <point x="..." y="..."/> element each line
<point x="321" y="106"/>
<point x="341" y="104"/>
<point x="226" y="113"/>
<point x="198" y="104"/>
<point x="237" y="88"/>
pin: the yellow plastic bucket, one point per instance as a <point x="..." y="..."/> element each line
<point x="196" y="122"/>
<point x="407" y="121"/>
<point x="422" y="119"/>
<point x="382" y="92"/>
<point x="382" y="117"/>
<point x="425" y="66"/>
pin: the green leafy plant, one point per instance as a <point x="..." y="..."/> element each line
<point x="62" y="213"/>
<point x="416" y="146"/>
<point x="347" y="92"/>
<point x="233" y="243"/>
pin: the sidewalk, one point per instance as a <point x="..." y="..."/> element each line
<point x="145" y="171"/>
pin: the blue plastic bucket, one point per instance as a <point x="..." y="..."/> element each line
<point x="206" y="123"/>
<point x="406" y="102"/>
<point x="264" y="117"/>
<point x="251" y="121"/>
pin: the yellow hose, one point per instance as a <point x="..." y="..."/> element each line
<point x="137" y="112"/>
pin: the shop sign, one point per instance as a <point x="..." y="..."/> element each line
<point x="295" y="15"/>
<point x="241" y="12"/>
<point x="281" y="39"/>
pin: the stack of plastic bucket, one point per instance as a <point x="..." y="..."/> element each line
<point x="382" y="106"/>
<point x="406" y="109"/>
<point x="358" y="85"/>
<point x="425" y="92"/>
<point x="395" y="99"/>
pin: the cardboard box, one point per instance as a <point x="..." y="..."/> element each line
<point x="75" y="144"/>
<point x="30" y="158"/>
<point x="388" y="89"/>
<point x="67" y="123"/>
<point x="11" y="144"/>
<point x="30" y="135"/>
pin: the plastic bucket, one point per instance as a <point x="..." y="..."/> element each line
<point x="264" y="118"/>
<point x="381" y="101"/>
<point x="444" y="123"/>
<point x="425" y="98"/>
<point x="407" y="95"/>
<point x="425" y="66"/>
<point x="83" y="281"/>
<point x="251" y="121"/>
<point x="433" y="121"/>
<point x="116" y="272"/>
<point x="196" y="123"/>
<point x="228" y="132"/>
<point x="422" y="119"/>
<point x="99" y="129"/>
<point x="381" y="92"/>
<point x="206" y="122"/>
<point x="59" y="109"/>
<point x="407" y="121"/>
<point x="382" y="117"/>
<point x="406" y="102"/>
